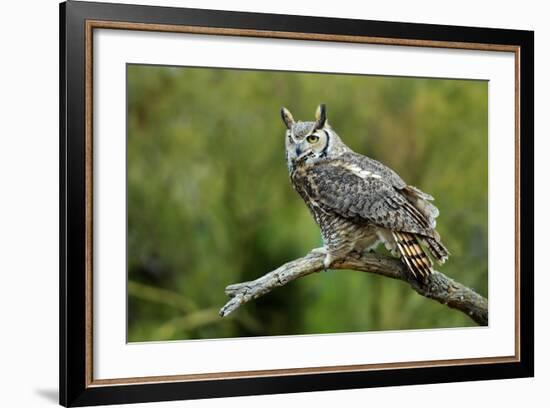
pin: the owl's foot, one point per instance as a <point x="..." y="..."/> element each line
<point x="328" y="260"/>
<point x="324" y="251"/>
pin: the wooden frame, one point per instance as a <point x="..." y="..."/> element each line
<point x="77" y="22"/>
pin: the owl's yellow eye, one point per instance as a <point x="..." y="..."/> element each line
<point x="312" y="139"/>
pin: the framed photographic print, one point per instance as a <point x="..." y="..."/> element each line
<point x="256" y="203"/>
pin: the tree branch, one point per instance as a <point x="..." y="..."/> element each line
<point x="438" y="286"/>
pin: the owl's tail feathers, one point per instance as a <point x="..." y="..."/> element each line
<point x="413" y="255"/>
<point x="438" y="250"/>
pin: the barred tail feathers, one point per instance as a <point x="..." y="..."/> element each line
<point x="438" y="250"/>
<point x="413" y="255"/>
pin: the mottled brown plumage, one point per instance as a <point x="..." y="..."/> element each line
<point x="358" y="202"/>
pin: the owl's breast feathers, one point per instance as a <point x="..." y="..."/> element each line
<point x="367" y="193"/>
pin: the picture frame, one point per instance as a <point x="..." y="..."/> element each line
<point x="79" y="21"/>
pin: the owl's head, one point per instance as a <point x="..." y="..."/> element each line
<point x="308" y="142"/>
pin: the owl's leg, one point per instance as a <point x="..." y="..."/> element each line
<point x="368" y="244"/>
<point x="336" y="248"/>
<point x="335" y="254"/>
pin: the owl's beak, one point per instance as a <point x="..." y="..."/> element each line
<point x="301" y="154"/>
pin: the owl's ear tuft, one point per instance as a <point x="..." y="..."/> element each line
<point x="320" y="116"/>
<point x="287" y="117"/>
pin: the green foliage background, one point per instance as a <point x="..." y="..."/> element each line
<point x="210" y="202"/>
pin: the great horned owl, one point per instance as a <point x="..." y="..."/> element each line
<point x="358" y="202"/>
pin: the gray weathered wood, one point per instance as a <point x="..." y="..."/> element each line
<point x="438" y="287"/>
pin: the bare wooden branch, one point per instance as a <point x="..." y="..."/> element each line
<point x="438" y="287"/>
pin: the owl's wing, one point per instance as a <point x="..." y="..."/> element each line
<point x="419" y="199"/>
<point x="389" y="176"/>
<point x="362" y="195"/>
